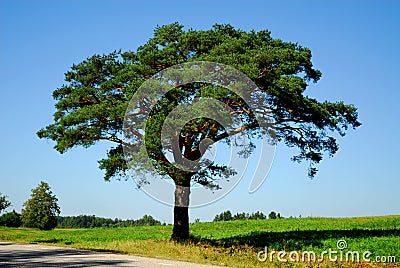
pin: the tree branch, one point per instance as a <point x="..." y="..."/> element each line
<point x="235" y="131"/>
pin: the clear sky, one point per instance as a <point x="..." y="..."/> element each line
<point x="354" y="43"/>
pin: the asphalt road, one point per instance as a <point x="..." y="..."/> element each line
<point x="32" y="255"/>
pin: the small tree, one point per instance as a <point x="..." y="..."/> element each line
<point x="257" y="216"/>
<point x="272" y="215"/>
<point x="41" y="210"/>
<point x="4" y="203"/>
<point x="224" y="216"/>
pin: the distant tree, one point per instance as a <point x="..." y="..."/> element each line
<point x="272" y="215"/>
<point x="147" y="220"/>
<point x="11" y="219"/>
<point x="224" y="216"/>
<point x="257" y="216"/>
<point x="92" y="102"/>
<point x="41" y="210"/>
<point x="4" y="203"/>
<point x="241" y="216"/>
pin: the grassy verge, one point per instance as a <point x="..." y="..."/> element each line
<point x="236" y="243"/>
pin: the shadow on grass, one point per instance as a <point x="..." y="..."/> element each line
<point x="293" y="240"/>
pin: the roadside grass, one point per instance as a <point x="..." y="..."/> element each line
<point x="235" y="243"/>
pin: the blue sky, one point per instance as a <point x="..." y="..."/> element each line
<point x="354" y="44"/>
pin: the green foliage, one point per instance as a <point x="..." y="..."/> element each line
<point x="257" y="216"/>
<point x="272" y="215"/>
<point x="11" y="219"/>
<point x="4" y="203"/>
<point x="227" y="216"/>
<point x="86" y="221"/>
<point x="91" y="104"/>
<point x="41" y="210"/>
<point x="146" y="220"/>
<point x="224" y="216"/>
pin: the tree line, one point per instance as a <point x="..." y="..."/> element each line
<point x="91" y="221"/>
<point x="42" y="211"/>
<point x="227" y="216"/>
<point x="13" y="219"/>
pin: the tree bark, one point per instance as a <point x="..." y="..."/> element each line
<point x="180" y="232"/>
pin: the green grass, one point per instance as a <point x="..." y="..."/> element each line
<point x="234" y="243"/>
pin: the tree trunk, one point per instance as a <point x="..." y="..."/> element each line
<point x="180" y="232"/>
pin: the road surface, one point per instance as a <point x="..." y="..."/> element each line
<point x="33" y="255"/>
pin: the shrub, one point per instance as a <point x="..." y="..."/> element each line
<point x="11" y="219"/>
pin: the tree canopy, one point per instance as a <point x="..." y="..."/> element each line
<point x="91" y="105"/>
<point x="41" y="210"/>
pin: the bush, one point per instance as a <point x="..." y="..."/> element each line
<point x="11" y="219"/>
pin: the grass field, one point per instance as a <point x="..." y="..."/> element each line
<point x="236" y="243"/>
